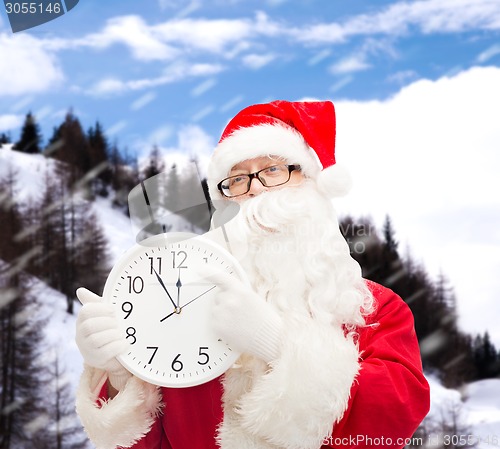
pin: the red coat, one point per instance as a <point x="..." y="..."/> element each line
<point x="389" y="398"/>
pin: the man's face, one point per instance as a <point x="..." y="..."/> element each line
<point x="255" y="165"/>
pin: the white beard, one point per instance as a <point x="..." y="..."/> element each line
<point x="298" y="259"/>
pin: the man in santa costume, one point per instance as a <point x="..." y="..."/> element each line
<point x="329" y="360"/>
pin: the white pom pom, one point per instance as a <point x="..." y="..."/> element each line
<point x="334" y="181"/>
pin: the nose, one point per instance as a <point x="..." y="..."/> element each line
<point x="256" y="187"/>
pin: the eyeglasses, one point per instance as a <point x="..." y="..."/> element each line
<point x="273" y="176"/>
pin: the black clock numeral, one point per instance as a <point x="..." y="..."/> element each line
<point x="177" y="365"/>
<point x="155" y="348"/>
<point x="204" y="355"/>
<point x="136" y="284"/>
<point x="131" y="333"/>
<point x="178" y="259"/>
<point x="127" y="307"/>
<point x="158" y="264"/>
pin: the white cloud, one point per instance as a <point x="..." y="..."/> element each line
<point x="256" y="61"/>
<point x="180" y="4"/>
<point x="160" y="135"/>
<point x="9" y="122"/>
<point x="489" y="53"/>
<point x="353" y="63"/>
<point x="358" y="60"/>
<point x="172" y="38"/>
<point x="174" y="72"/>
<point x="231" y="103"/>
<point x="22" y="104"/>
<point x="190" y="8"/>
<point x="402" y="77"/>
<point x="344" y="81"/>
<point x="192" y="141"/>
<point x="116" y="128"/>
<point x="142" y="101"/>
<point x="429" y="158"/>
<point x="36" y="69"/>
<point x="318" y="57"/>
<point x="202" y="34"/>
<point x="107" y="86"/>
<point x="132" y="31"/>
<point x="228" y="38"/>
<point x="429" y="16"/>
<point x="203" y="87"/>
<point x="202" y="113"/>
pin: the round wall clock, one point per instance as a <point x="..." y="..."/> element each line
<point x="163" y="300"/>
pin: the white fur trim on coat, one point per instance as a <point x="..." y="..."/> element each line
<point x="296" y="403"/>
<point x="260" y="140"/>
<point x="121" y="421"/>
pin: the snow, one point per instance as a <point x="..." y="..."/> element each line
<point x="59" y="333"/>
<point x="483" y="408"/>
<point x="30" y="170"/>
<point x="116" y="227"/>
<point x="478" y="403"/>
<point x="477" y="407"/>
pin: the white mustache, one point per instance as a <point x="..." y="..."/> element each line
<point x="275" y="211"/>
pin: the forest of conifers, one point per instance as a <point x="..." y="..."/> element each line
<point x="55" y="238"/>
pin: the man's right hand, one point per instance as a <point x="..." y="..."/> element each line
<point x="99" y="338"/>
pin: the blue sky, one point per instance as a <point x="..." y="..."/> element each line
<point x="144" y="67"/>
<point x="416" y="87"/>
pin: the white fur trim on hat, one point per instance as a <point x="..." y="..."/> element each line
<point x="334" y="181"/>
<point x="256" y="141"/>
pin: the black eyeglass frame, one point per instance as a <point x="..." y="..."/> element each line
<point x="251" y="176"/>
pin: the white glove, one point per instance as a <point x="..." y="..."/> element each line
<point x="244" y="320"/>
<point x="99" y="338"/>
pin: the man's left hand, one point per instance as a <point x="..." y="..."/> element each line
<point x="244" y="320"/>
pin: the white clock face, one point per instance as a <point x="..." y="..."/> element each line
<point x="163" y="302"/>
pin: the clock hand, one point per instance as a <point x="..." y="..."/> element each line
<point x="194" y="299"/>
<point x="178" y="309"/>
<point x="164" y="288"/>
<point x="168" y="316"/>
<point x="179" y="285"/>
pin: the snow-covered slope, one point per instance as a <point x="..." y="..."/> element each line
<point x="29" y="170"/>
<point x="475" y="409"/>
<point x="477" y="405"/>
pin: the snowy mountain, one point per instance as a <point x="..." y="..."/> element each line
<point x="475" y="410"/>
<point x="476" y="406"/>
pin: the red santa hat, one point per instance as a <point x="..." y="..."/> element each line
<point x="300" y="132"/>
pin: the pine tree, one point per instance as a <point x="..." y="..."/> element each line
<point x="4" y="139"/>
<point x="91" y="265"/>
<point x="443" y="346"/>
<point x="156" y="164"/>
<point x="30" y="140"/>
<point x="22" y="387"/>
<point x="54" y="143"/>
<point x="67" y="233"/>
<point x="390" y="243"/>
<point x="69" y="145"/>
<point x="125" y="176"/>
<point x="486" y="357"/>
<point x="10" y="218"/>
<point x="194" y="206"/>
<point x="61" y="429"/>
<point x="99" y="160"/>
<point x="173" y="189"/>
